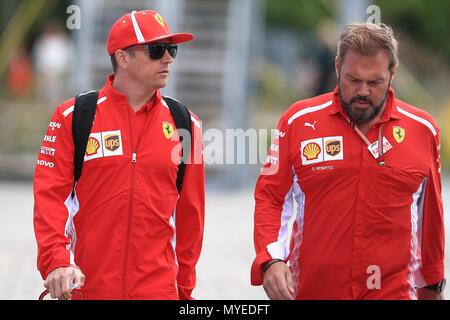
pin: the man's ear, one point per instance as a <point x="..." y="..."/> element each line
<point x="337" y="66"/>
<point x="393" y="72"/>
<point x="122" y="58"/>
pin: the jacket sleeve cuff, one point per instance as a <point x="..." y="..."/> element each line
<point x="274" y="250"/>
<point x="257" y="274"/>
<point x="430" y="274"/>
<point x="184" y="293"/>
<point x="57" y="262"/>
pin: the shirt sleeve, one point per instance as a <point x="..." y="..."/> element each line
<point x="433" y="228"/>
<point x="273" y="204"/>
<point x="52" y="186"/>
<point x="190" y="214"/>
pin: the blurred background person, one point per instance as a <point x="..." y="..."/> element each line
<point x="52" y="53"/>
<point x="20" y="73"/>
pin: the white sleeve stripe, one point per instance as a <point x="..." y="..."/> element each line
<point x="195" y="122"/>
<point x="164" y="103"/>
<point x="418" y="119"/>
<point x="101" y="100"/>
<point x="69" y="110"/>
<point x="280" y="248"/>
<point x="309" y="110"/>
<point x="73" y="206"/>
<point x="415" y="277"/>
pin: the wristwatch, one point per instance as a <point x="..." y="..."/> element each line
<point x="438" y="287"/>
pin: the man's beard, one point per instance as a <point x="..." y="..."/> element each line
<point x="362" y="116"/>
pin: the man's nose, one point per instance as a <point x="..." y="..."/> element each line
<point x="363" y="89"/>
<point x="167" y="58"/>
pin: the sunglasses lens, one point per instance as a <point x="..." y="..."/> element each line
<point x="173" y="49"/>
<point x="158" y="50"/>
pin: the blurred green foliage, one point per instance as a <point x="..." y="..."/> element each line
<point x="299" y="15"/>
<point x="54" y="10"/>
<point x="425" y="21"/>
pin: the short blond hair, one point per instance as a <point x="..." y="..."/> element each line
<point x="367" y="39"/>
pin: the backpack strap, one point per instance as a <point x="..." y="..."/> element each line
<point x="182" y="119"/>
<point x="82" y="120"/>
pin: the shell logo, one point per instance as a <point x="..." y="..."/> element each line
<point x="92" y="146"/>
<point x="311" y="151"/>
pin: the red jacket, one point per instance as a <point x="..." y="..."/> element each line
<point x="362" y="230"/>
<point x="127" y="228"/>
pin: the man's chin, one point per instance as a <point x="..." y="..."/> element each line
<point x="161" y="84"/>
<point x="360" y="114"/>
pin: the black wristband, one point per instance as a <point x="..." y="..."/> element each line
<point x="268" y="264"/>
<point x="438" y="287"/>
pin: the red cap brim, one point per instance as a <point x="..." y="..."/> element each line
<point x="175" y="38"/>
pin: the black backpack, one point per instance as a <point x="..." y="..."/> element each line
<point x="83" y="118"/>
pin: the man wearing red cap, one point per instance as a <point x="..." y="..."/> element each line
<point x="123" y="231"/>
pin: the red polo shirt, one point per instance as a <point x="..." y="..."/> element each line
<point x="365" y="227"/>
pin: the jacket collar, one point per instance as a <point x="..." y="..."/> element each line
<point x="119" y="98"/>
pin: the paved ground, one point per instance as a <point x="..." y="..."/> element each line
<point x="223" y="269"/>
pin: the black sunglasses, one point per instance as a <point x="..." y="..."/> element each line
<point x="157" y="50"/>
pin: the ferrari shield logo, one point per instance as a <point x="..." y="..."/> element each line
<point x="159" y="19"/>
<point x="399" y="133"/>
<point x="167" y="129"/>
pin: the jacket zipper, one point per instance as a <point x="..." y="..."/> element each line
<point x="130" y="211"/>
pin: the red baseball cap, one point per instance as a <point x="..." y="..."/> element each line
<point x="141" y="27"/>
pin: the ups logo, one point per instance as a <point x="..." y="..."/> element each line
<point x="112" y="142"/>
<point x="333" y="147"/>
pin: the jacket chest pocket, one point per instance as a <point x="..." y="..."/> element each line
<point x="389" y="194"/>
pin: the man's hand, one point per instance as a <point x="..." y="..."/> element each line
<point x="57" y="282"/>
<point x="278" y="282"/>
<point x="428" y="294"/>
